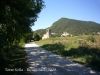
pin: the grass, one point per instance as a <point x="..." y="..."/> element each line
<point x="16" y="61"/>
<point x="82" y="49"/>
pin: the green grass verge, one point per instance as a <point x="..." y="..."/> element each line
<point x="69" y="47"/>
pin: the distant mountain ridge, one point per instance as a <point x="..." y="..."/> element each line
<point x="74" y="27"/>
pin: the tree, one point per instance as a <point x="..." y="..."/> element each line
<point x="16" y="19"/>
<point x="36" y="37"/>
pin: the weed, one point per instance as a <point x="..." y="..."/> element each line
<point x="82" y="49"/>
<point x="91" y="38"/>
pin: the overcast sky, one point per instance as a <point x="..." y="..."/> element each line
<point x="86" y="10"/>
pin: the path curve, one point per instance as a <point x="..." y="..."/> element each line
<point x="43" y="62"/>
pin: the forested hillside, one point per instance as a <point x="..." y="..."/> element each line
<point x="74" y="27"/>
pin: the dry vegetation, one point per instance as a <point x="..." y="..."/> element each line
<point x="82" y="49"/>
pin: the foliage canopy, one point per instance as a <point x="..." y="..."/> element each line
<point x="16" y="19"/>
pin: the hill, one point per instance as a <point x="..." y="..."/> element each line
<point x="72" y="26"/>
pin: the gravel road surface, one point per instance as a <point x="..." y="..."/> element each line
<point x="43" y="62"/>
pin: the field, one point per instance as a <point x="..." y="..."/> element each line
<point x="83" y="49"/>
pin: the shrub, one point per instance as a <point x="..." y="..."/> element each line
<point x="91" y="39"/>
<point x="37" y="37"/>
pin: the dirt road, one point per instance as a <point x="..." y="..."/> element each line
<point x="44" y="62"/>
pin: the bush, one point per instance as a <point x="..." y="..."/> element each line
<point x="37" y="37"/>
<point x="91" y="39"/>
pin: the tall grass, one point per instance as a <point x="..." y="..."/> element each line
<point x="83" y="49"/>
